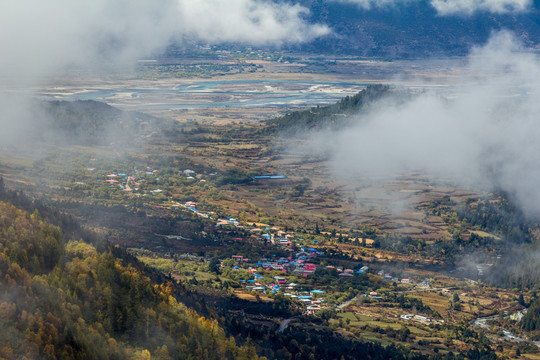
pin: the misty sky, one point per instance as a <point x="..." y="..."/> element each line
<point x="40" y="37"/>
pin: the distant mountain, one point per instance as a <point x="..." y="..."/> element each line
<point x="410" y="29"/>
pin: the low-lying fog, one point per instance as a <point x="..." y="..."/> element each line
<point x="485" y="135"/>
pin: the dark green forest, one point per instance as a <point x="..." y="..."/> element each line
<point x="332" y="116"/>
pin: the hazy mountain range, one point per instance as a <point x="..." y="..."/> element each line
<point x="417" y="28"/>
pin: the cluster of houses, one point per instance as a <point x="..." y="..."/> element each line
<point x="312" y="299"/>
<point x="389" y="277"/>
<point x="279" y="284"/>
<point x="298" y="264"/>
<point x="419" y="318"/>
<point x="130" y="182"/>
<point x="227" y="221"/>
<point x="192" y="206"/>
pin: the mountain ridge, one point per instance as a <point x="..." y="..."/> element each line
<point x="412" y="29"/>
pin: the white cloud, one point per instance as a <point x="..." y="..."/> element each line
<point x="40" y="39"/>
<point x="485" y="135"/>
<point x="39" y="36"/>
<point x="368" y="4"/>
<point x="452" y="7"/>
<point x="247" y="20"/>
<point x="468" y="7"/>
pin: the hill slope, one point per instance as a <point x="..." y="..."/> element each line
<point x="335" y="115"/>
<point x="71" y="301"/>
<point x="86" y="122"/>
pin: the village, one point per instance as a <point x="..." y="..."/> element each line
<point x="362" y="288"/>
<point x="294" y="275"/>
<point x="360" y="296"/>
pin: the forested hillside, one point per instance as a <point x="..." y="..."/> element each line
<point x="334" y="116"/>
<point x="71" y="301"/>
<point x="87" y="122"/>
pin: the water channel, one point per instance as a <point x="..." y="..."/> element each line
<point x="217" y="93"/>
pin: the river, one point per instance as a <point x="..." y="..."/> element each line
<point x="219" y="93"/>
<point x="215" y="93"/>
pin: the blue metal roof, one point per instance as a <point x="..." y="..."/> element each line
<point x="269" y="176"/>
